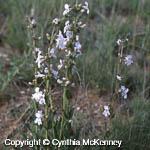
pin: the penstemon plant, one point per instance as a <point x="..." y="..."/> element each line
<point x="120" y="90"/>
<point x="56" y="66"/>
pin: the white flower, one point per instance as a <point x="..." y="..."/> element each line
<point x="106" y="107"/>
<point x="46" y="70"/>
<point x="39" y="75"/>
<point x="67" y="82"/>
<point x="67" y="9"/>
<point x="42" y="100"/>
<point x="79" y="23"/>
<point x="69" y="35"/>
<point x="128" y="60"/>
<point x="39" y="59"/>
<point x="37" y="49"/>
<point x="64" y="79"/>
<point x="78" y="108"/>
<point x="124" y="91"/>
<point x="33" y="22"/>
<point x="38" y="119"/>
<point x="78" y="45"/>
<point x="67" y="23"/>
<point x="86" y="7"/>
<point x="39" y="114"/>
<point x="77" y="37"/>
<point x="79" y="53"/>
<point x="68" y="53"/>
<point x="52" y="52"/>
<point x="83" y="26"/>
<point x="67" y="26"/>
<point x="37" y="89"/>
<point x="56" y="21"/>
<point x="59" y="81"/>
<point x="119" y="41"/>
<point x="106" y="112"/>
<point x="60" y="65"/>
<point x="61" y="41"/>
<point x="119" y="78"/>
<point x="54" y="72"/>
<point x="39" y="96"/>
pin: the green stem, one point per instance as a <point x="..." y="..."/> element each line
<point x="65" y="110"/>
<point x="120" y="54"/>
<point x="35" y="84"/>
<point x="49" y="88"/>
<point x="49" y="71"/>
<point x="61" y="128"/>
<point x="76" y="2"/>
<point x="46" y="108"/>
<point x="46" y="116"/>
<point x="65" y="100"/>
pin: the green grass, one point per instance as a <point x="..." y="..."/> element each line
<point x="134" y="130"/>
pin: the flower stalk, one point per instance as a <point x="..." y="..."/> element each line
<point x="63" y="50"/>
<point x="122" y="91"/>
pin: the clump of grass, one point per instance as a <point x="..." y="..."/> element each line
<point x="133" y="129"/>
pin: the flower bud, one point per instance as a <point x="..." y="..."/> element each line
<point x="82" y="10"/>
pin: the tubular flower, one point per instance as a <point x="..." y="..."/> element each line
<point x="54" y="72"/>
<point x="39" y="96"/>
<point x="119" y="41"/>
<point x="52" y="52"/>
<point x="69" y="35"/>
<point x="39" y="116"/>
<point x="86" y="7"/>
<point x="39" y="75"/>
<point x="128" y="60"/>
<point x="67" y="26"/>
<point x="60" y="41"/>
<point x="106" y="112"/>
<point x="39" y="59"/>
<point x="124" y="91"/>
<point x="56" y="21"/>
<point x="67" y="9"/>
<point x="60" y="65"/>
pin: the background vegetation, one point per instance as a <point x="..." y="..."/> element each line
<point x="108" y="21"/>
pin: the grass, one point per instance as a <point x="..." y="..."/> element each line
<point x="108" y="21"/>
<point x="133" y="130"/>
